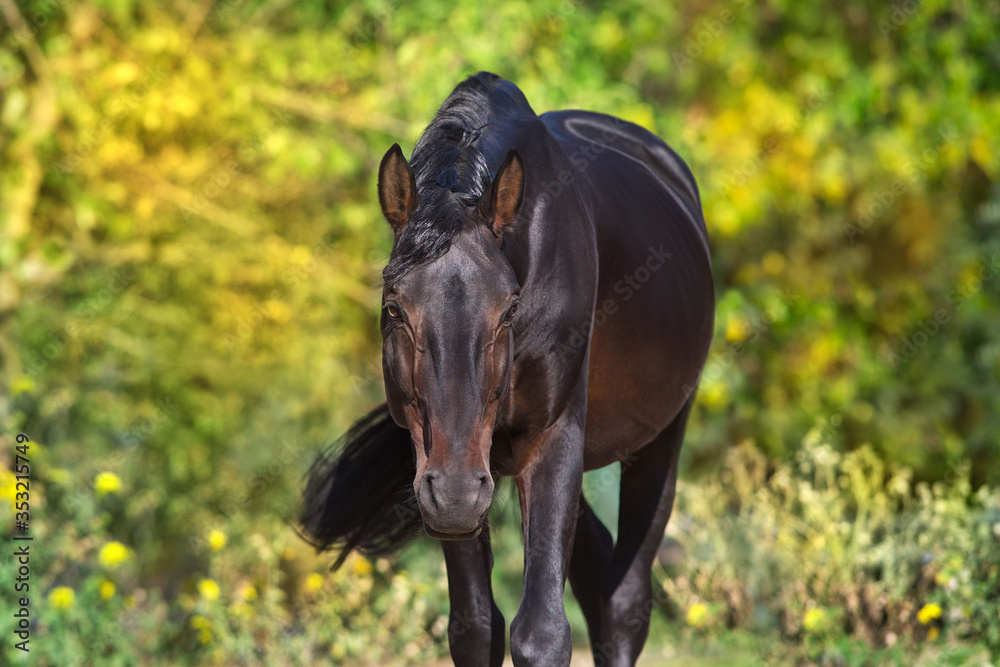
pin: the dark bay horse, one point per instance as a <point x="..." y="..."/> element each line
<point x="547" y="309"/>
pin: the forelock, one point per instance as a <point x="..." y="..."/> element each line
<point x="451" y="173"/>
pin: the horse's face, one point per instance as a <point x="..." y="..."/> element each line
<point x="447" y="351"/>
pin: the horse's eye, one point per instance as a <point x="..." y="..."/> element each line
<point x="511" y="312"/>
<point x="393" y="311"/>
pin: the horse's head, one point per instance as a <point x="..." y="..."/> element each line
<point x="447" y="343"/>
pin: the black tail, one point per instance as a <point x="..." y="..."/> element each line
<point x="359" y="494"/>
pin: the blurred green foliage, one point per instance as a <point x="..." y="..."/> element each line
<point x="190" y="249"/>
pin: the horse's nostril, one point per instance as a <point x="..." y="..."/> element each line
<point x="427" y="489"/>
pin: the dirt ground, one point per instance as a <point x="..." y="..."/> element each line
<point x="659" y="656"/>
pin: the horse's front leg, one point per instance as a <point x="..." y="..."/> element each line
<point x="549" y="477"/>
<point x="476" y="628"/>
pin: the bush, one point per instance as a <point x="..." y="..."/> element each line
<point x="257" y="595"/>
<point x="833" y="546"/>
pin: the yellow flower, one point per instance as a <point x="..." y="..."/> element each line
<point x="113" y="554"/>
<point x="814" y="620"/>
<point x="8" y="485"/>
<point x="208" y="589"/>
<point x="249" y="593"/>
<point x="362" y="566"/>
<point x="928" y="613"/>
<point x="714" y="394"/>
<point x="238" y="609"/>
<point x="314" y="582"/>
<point x="107" y="482"/>
<point x="22" y="384"/>
<point x="932" y="634"/>
<point x="62" y="597"/>
<point x="216" y="539"/>
<point x="697" y="615"/>
<point x="736" y="329"/>
<point x="107" y="589"/>
<point x="203" y="626"/>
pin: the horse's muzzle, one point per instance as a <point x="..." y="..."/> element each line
<point x="453" y="505"/>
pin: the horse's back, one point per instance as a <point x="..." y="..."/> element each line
<point x="654" y="312"/>
<point x="588" y="136"/>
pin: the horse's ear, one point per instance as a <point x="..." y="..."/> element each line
<point x="502" y="200"/>
<point x="397" y="189"/>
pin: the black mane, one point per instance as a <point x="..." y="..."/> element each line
<point x="451" y="162"/>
